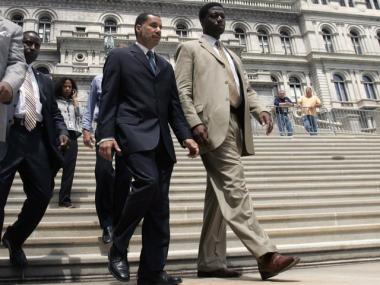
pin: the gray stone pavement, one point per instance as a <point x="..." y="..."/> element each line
<point x="345" y="274"/>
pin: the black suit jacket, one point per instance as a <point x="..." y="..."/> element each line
<point x="53" y="123"/>
<point x="137" y="106"/>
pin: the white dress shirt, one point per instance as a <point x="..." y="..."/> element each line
<point x="20" y="108"/>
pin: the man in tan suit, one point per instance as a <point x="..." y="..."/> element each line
<point x="217" y="101"/>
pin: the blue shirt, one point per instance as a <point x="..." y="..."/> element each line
<point x="92" y="108"/>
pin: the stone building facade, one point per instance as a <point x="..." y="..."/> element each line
<point x="331" y="45"/>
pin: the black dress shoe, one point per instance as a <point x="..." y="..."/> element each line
<point x="162" y="278"/>
<point x="16" y="255"/>
<point x="66" y="204"/>
<point x="107" y="234"/>
<point x="118" y="264"/>
<point x="219" y="273"/>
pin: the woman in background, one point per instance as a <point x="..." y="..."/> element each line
<point x="66" y="94"/>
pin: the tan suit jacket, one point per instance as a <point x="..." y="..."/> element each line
<point x="203" y="91"/>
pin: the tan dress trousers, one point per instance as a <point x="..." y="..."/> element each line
<point x="227" y="201"/>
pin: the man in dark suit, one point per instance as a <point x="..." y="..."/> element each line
<point x="32" y="150"/>
<point x="139" y="101"/>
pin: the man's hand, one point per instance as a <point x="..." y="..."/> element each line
<point x="64" y="143"/>
<point x="88" y="139"/>
<point x="106" y="147"/>
<point x="266" y="120"/>
<point x="5" y="92"/>
<point x="200" y="134"/>
<point x="192" y="146"/>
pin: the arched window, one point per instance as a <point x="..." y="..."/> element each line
<point x="295" y="88"/>
<point x="328" y="40"/>
<point x="342" y="3"/>
<point x="368" y="4"/>
<point x="351" y="3"/>
<point x="18" y="19"/>
<point x="181" y="30"/>
<point x="340" y="88"/>
<point x="275" y="87"/>
<point x="286" y="42"/>
<point x="110" y="26"/>
<point x="369" y="87"/>
<point x="241" y="36"/>
<point x="378" y="37"/>
<point x="44" y="28"/>
<point x="263" y="40"/>
<point x="355" y="39"/>
<point x="324" y="2"/>
<point x="43" y="70"/>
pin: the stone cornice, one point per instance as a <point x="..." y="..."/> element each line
<point x="283" y="6"/>
<point x="350" y="59"/>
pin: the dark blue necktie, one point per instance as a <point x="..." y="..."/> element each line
<point x="151" y="60"/>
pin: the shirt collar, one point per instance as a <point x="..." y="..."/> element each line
<point x="211" y="40"/>
<point x="143" y="48"/>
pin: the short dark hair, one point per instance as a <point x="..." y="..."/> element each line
<point x="204" y="10"/>
<point x="141" y="19"/>
<point x="31" y="32"/>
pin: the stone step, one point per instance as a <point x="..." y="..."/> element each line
<point x="86" y="227"/>
<point x="87" y="199"/>
<point x="180" y="169"/>
<point x="192" y="189"/>
<point x="200" y="172"/>
<point x="196" y="211"/>
<point x="59" y="265"/>
<point x="293" y="180"/>
<point x="190" y="240"/>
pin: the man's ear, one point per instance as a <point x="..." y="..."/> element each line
<point x="138" y="28"/>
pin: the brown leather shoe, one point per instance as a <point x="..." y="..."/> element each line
<point x="219" y="273"/>
<point x="272" y="264"/>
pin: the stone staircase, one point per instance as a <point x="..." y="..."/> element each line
<point x="317" y="197"/>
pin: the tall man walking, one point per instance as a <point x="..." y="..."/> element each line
<point x="139" y="101"/>
<point x="31" y="149"/>
<point x="217" y="100"/>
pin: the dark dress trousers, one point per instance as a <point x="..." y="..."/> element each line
<point x="137" y="107"/>
<point x="36" y="157"/>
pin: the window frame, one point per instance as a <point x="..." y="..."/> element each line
<point x="340" y="88"/>
<point x="45" y="21"/>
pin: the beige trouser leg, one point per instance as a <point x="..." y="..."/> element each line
<point x="227" y="201"/>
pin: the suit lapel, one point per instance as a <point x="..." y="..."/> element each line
<point x="40" y="86"/>
<point x="140" y="56"/>
<point x="211" y="50"/>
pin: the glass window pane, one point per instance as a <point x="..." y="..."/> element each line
<point x="18" y="19"/>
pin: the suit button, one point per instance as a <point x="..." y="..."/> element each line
<point x="226" y="82"/>
<point x="227" y="99"/>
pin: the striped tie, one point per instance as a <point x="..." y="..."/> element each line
<point x="30" y="103"/>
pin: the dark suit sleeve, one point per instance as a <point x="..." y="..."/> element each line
<point x="176" y="117"/>
<point x="56" y="115"/>
<point x="109" y="98"/>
